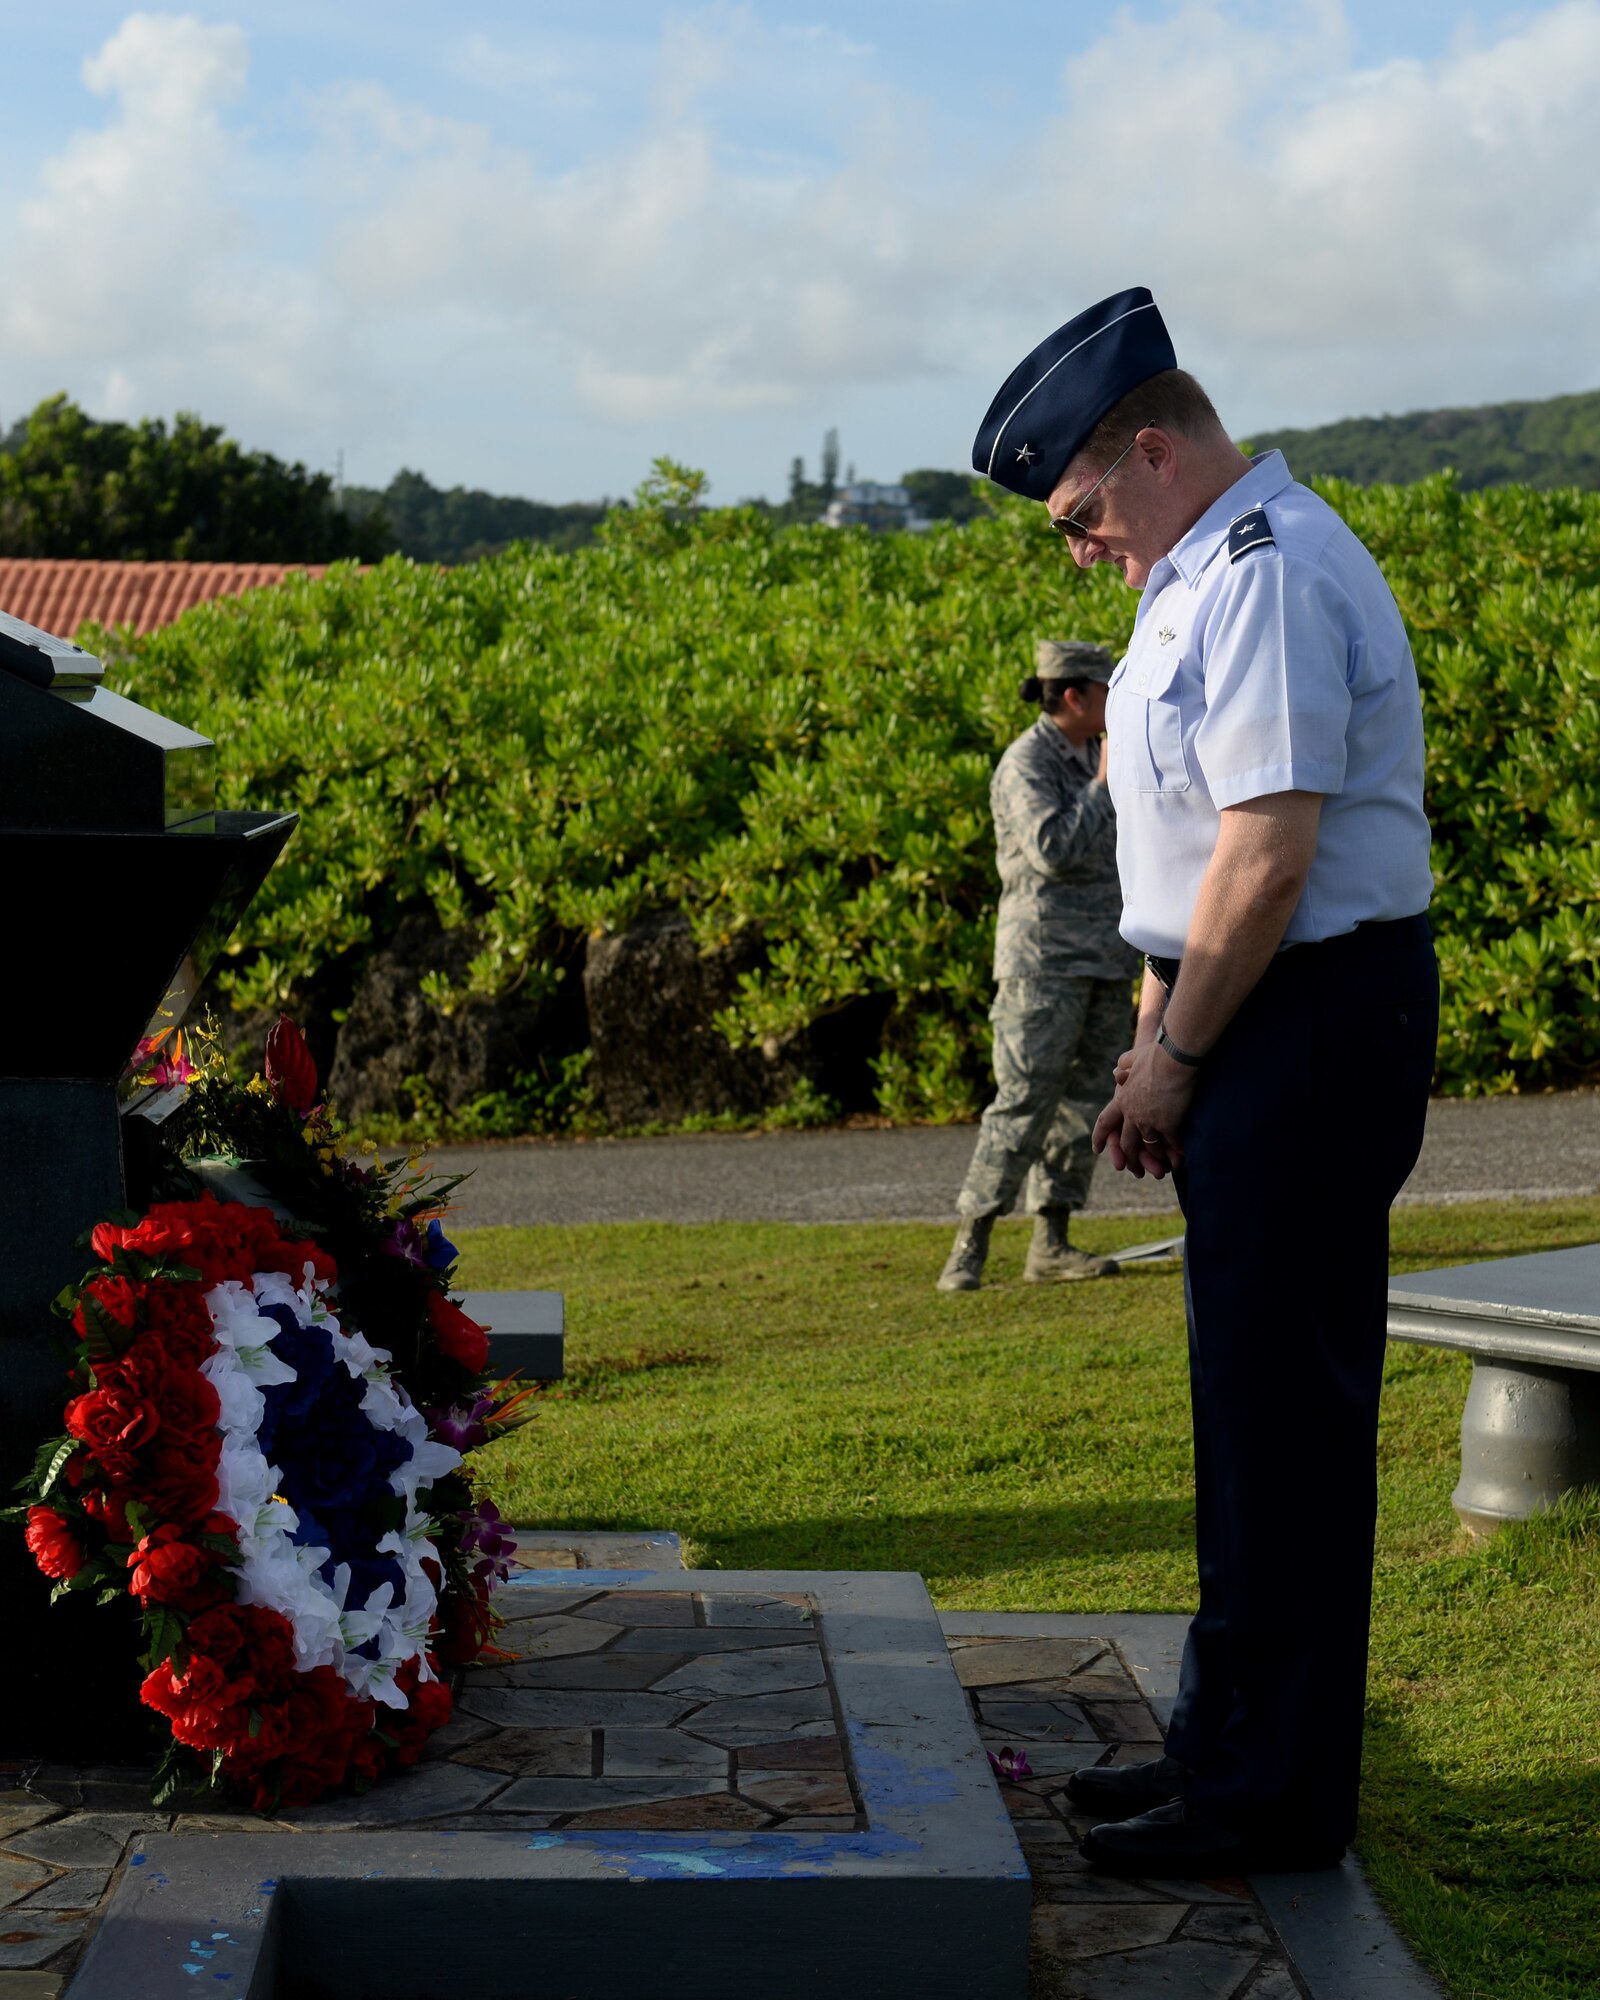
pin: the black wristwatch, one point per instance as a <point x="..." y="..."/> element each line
<point x="1165" y="1041"/>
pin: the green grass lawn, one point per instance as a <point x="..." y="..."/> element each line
<point x="800" y="1397"/>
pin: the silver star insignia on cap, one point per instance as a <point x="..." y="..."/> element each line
<point x="1027" y="455"/>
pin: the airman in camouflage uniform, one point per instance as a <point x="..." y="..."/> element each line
<point x="1062" y="1012"/>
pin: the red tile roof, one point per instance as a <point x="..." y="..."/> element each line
<point x="58" y="595"/>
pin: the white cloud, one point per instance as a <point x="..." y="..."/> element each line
<point x="134" y="273"/>
<point x="520" y="70"/>
<point x="1337" y="238"/>
<point x="1324" y="239"/>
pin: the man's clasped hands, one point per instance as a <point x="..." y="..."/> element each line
<point x="1140" y="1128"/>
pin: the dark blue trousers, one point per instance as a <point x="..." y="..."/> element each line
<point x="1307" y="1118"/>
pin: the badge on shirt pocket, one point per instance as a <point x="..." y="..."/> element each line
<point x="1155" y="721"/>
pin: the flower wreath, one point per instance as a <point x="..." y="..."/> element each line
<point x="298" y="1534"/>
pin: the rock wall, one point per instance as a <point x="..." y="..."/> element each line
<point x="655" y="1057"/>
<point x="391" y="1031"/>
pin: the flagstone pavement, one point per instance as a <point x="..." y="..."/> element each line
<point x="688" y="1710"/>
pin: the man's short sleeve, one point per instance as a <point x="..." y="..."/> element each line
<point x="1277" y="690"/>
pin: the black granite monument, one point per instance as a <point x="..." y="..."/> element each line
<point x="122" y="883"/>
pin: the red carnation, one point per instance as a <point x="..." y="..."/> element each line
<point x="55" y="1548"/>
<point x="116" y="1298"/>
<point x="237" y="1654"/>
<point x="291" y="1254"/>
<point x="178" y="1318"/>
<point x="461" y="1338"/>
<point x="110" y="1508"/>
<point x="180" y="1485"/>
<point x="157" y="1235"/>
<point x="291" y="1074"/>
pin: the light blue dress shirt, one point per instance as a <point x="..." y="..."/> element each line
<point x="1285" y="669"/>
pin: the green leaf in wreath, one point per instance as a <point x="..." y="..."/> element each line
<point x="100" y="1330"/>
<point x="171" y="1772"/>
<point x="58" y="1460"/>
<point x="164" y="1631"/>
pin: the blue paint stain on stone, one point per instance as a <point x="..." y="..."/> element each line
<point x="746" y="1857"/>
<point x="687" y="1864"/>
<point x="894" y="1784"/>
<point x="136" y="1860"/>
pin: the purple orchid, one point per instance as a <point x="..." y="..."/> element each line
<point x="463" y="1425"/>
<point x="404" y="1242"/>
<point x="483" y="1533"/>
<point x="1010" y="1765"/>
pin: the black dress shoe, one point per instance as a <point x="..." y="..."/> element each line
<point x="1176" y="1840"/>
<point x="1117" y="1791"/>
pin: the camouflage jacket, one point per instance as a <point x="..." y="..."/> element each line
<point x="1056" y="835"/>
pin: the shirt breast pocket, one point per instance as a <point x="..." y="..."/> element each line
<point x="1154" y="720"/>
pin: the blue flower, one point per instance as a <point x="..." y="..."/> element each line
<point x="335" y="1464"/>
<point x="440" y="1252"/>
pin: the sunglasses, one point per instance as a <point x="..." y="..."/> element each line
<point x="1069" y="525"/>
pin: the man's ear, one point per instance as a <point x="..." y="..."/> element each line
<point x="1159" y="450"/>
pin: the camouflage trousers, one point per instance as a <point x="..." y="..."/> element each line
<point x="1055" y="1041"/>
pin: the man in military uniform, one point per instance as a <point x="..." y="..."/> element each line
<point x="1266" y="761"/>
<point x="1063" y="975"/>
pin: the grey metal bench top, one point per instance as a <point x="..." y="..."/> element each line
<point x="1540" y="1308"/>
<point x="527" y="1331"/>
<point x="1531" y="1428"/>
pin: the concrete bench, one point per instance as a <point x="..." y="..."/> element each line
<point x="527" y="1331"/>
<point x="1531" y="1428"/>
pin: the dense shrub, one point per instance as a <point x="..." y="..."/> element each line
<point x="793" y="728"/>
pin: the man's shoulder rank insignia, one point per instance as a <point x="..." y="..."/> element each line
<point x="1249" y="532"/>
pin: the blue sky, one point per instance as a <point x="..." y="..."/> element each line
<point x="528" y="247"/>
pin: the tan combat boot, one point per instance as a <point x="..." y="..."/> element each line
<point x="963" y="1268"/>
<point x="1051" y="1258"/>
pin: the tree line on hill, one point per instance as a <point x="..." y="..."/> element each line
<point x="73" y="486"/>
<point x="1546" y="444"/>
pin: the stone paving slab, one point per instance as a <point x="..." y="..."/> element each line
<point x="1320" y="1934"/>
<point x="811" y="1796"/>
<point x="656" y="1801"/>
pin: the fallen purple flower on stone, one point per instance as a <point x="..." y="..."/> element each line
<point x="1011" y="1765"/>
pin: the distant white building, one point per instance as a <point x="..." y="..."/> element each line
<point x="865" y="504"/>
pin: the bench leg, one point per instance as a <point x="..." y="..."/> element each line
<point x="1528" y="1435"/>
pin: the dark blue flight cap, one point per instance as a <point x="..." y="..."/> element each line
<point x="1050" y="404"/>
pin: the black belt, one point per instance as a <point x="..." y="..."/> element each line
<point x="1373" y="931"/>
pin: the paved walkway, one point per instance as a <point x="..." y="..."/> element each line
<point x="679" y="1711"/>
<point x="1532" y="1148"/>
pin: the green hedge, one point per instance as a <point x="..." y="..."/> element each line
<point x="793" y="728"/>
